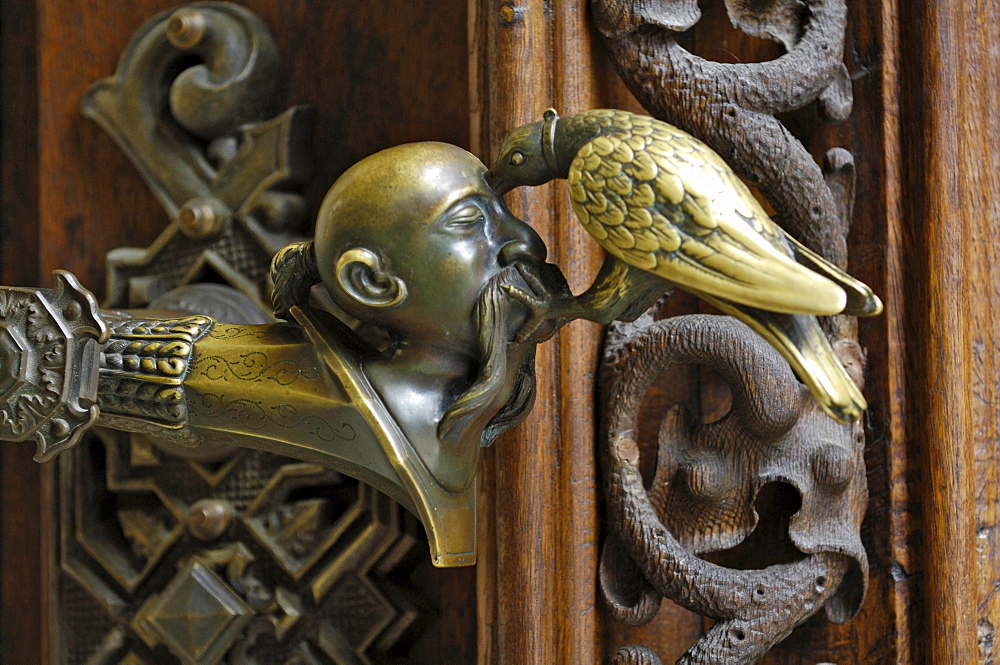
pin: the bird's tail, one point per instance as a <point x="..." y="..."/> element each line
<point x="802" y="342"/>
<point x="861" y="300"/>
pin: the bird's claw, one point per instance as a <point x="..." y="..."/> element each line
<point x="546" y="299"/>
<point x="537" y="315"/>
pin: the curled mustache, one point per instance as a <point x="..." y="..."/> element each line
<point x="493" y="317"/>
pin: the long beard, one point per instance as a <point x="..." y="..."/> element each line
<point x="493" y="315"/>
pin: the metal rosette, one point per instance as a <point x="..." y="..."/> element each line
<point x="50" y="347"/>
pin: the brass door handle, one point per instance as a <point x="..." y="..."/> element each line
<point x="412" y="247"/>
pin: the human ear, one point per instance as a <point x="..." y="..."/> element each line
<point x="362" y="275"/>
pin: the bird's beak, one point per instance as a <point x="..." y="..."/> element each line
<point x="496" y="182"/>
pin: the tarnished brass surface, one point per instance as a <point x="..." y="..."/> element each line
<point x="207" y="142"/>
<point x="664" y="203"/>
<point x="418" y="252"/>
<point x="306" y="566"/>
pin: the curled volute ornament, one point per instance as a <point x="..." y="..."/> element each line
<point x="192" y="105"/>
<point x="707" y="478"/>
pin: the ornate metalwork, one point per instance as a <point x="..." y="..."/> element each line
<point x="433" y="374"/>
<point x="404" y="400"/>
<point x="50" y="343"/>
<point x="143" y="367"/>
<point x="178" y="543"/>
<point x="254" y="559"/>
<point x="191" y="106"/>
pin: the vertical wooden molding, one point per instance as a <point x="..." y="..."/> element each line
<point x="890" y="375"/>
<point x="521" y="463"/>
<point x="538" y="529"/>
<point x="949" y="83"/>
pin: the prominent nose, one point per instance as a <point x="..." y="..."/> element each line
<point x="520" y="242"/>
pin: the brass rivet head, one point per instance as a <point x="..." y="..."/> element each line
<point x="203" y="217"/>
<point x="72" y="311"/>
<point x="209" y="518"/>
<point x="60" y="428"/>
<point x="186" y="28"/>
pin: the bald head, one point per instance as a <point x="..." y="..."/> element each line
<point x="388" y="196"/>
<point x="408" y="238"/>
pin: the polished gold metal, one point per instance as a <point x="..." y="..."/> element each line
<point x="666" y="205"/>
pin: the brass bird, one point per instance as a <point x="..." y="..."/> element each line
<point x="668" y="209"/>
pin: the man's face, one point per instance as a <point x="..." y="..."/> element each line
<point x="464" y="238"/>
<point x="427" y="211"/>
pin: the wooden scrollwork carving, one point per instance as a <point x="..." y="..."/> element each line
<point x="701" y="499"/>
<point x="707" y="478"/>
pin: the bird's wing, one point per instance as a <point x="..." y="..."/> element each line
<point x="661" y="200"/>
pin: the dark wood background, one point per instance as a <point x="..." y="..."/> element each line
<point x="924" y="134"/>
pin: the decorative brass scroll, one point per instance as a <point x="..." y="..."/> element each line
<point x="191" y="105"/>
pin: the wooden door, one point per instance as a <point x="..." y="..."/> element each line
<point x="922" y="133"/>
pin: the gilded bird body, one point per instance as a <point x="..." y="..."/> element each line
<point x="662" y="202"/>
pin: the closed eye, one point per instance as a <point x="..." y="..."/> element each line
<point x="465" y="218"/>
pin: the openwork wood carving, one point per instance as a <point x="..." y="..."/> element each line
<point x="709" y="476"/>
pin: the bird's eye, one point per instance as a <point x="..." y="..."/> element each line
<point x="517" y="158"/>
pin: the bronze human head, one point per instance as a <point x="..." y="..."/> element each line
<point x="409" y="237"/>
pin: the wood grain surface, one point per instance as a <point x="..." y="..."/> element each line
<point x="948" y="82"/>
<point x="924" y="134"/>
